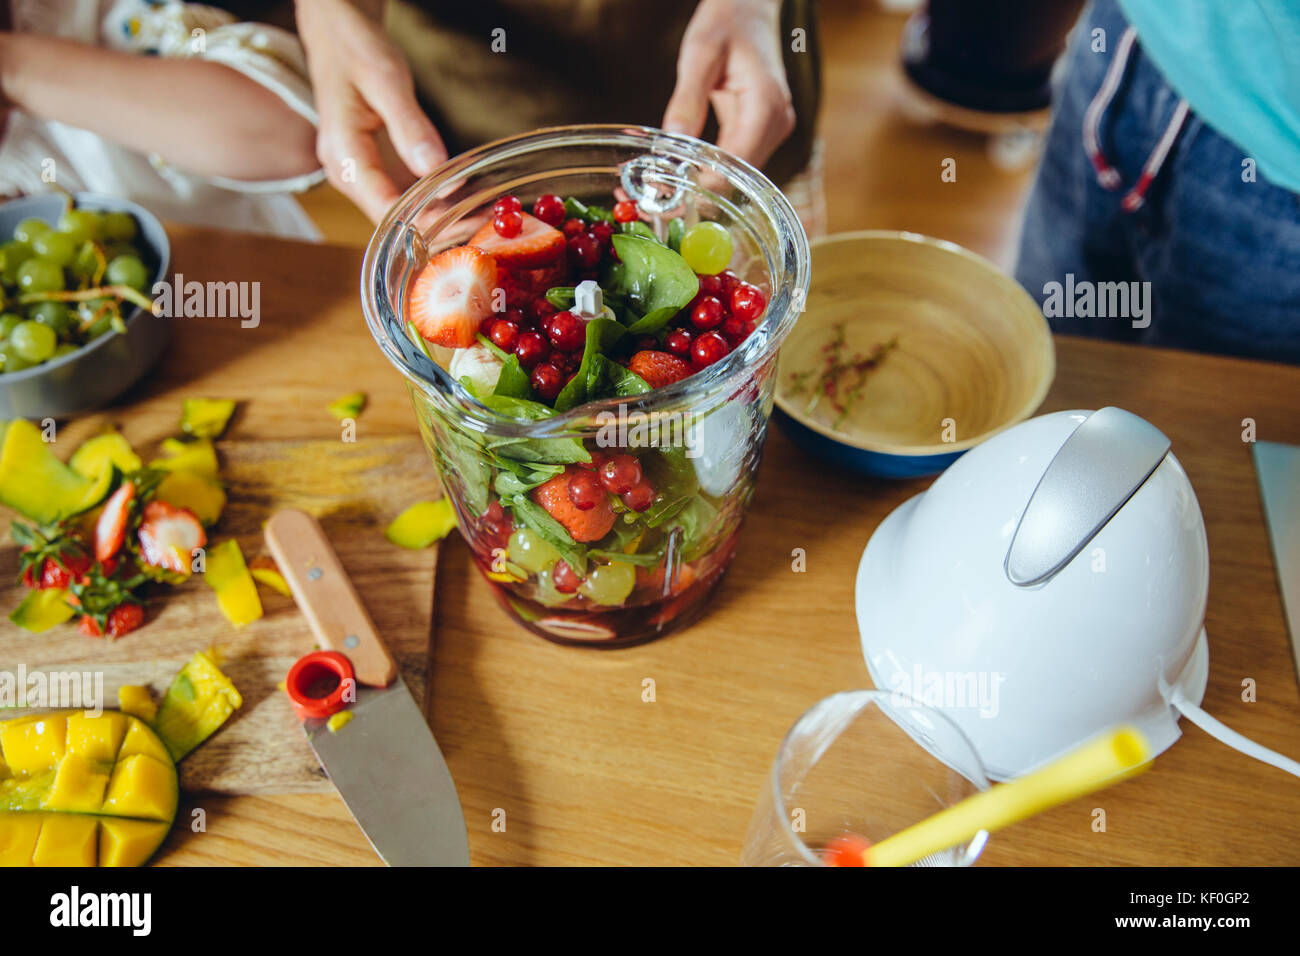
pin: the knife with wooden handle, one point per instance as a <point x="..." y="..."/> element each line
<point x="384" y="760"/>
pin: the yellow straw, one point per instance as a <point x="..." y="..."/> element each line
<point x="1105" y="760"/>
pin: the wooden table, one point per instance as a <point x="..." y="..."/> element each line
<point x="560" y="740"/>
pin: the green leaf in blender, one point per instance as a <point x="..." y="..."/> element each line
<point x="602" y="334"/>
<point x="656" y="282"/>
<point x="676" y="229"/>
<point x="638" y="228"/>
<point x="513" y="381"/>
<point x="534" y="517"/>
<point x="576" y="209"/>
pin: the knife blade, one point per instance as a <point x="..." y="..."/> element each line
<point x="384" y="762"/>
<point x="1278" y="467"/>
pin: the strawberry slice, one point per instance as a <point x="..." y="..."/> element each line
<point x="110" y="530"/>
<point x="169" y="535"/>
<point x="536" y="245"/>
<point x="452" y="297"/>
<point x="590" y="525"/>
<point x="659" y="368"/>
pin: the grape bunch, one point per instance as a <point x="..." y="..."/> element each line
<point x="64" y="285"/>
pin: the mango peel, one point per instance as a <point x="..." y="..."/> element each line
<point x="225" y="572"/>
<point x="35" y="483"/>
<point x="198" y="702"/>
<point x="422" y="524"/>
<point x="206" y="417"/>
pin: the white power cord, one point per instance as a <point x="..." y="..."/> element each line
<point x="1225" y="734"/>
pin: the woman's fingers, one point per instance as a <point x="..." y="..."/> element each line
<point x="390" y="92"/>
<point x="700" y="66"/>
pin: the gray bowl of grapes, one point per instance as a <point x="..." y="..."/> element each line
<point x="76" y="330"/>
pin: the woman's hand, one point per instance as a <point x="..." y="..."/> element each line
<point x="363" y="87"/>
<point x="731" y="57"/>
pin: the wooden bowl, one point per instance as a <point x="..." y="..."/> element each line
<point x="973" y="353"/>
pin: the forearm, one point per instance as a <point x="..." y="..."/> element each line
<point x="200" y="116"/>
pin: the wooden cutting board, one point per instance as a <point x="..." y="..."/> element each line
<point x="354" y="489"/>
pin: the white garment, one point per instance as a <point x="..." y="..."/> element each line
<point x="84" y="161"/>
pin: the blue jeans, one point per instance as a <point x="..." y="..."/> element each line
<point x="1221" y="254"/>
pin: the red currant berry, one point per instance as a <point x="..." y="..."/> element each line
<point x="569" y="361"/>
<point x="503" y="334"/>
<point x="508" y="224"/>
<point x="729" y="281"/>
<point x="573" y="227"/>
<point x="585" y="490"/>
<point x="507" y="204"/>
<point x="547" y="381"/>
<point x="679" y="343"/>
<point x="711" y="285"/>
<point x="625" y="211"/>
<point x="564" y="578"/>
<point x="531" y="347"/>
<point x="566" y="330"/>
<point x="645" y="343"/>
<point x="708" y="312"/>
<point x="620" y="473"/>
<point x="640" y="496"/>
<point x="747" y="302"/>
<point x="549" y="209"/>
<point x="604" y="233"/>
<point x="541" y="309"/>
<point x="584" y="249"/>
<point x="707" y="348"/>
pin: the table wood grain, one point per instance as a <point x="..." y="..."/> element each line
<point x="558" y="743"/>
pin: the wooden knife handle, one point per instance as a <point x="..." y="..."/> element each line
<point x="326" y="596"/>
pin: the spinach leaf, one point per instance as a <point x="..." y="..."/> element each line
<point x="509" y="483"/>
<point x="602" y="334"/>
<point x="655" y="281"/>
<point x="637" y="228"/>
<point x="607" y="377"/>
<point x="535" y="518"/>
<point x="514" y="381"/>
<point x="549" y="451"/>
<point x="561" y="296"/>
<point x="696" y="520"/>
<point x="576" y="209"/>
<point x="676" y="229"/>
<point x="673" y="474"/>
<point x="491" y="346"/>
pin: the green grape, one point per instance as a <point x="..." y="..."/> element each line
<point x="8" y="321"/>
<point x="609" y="583"/>
<point x="11" y="361"/>
<point x="53" y="314"/>
<point x="101" y="325"/>
<point x="119" y="225"/>
<point x="81" y="224"/>
<point x="85" y="262"/>
<point x="13" y="253"/>
<point x="530" y="551"/>
<point x="40" y="275"/>
<point x="706" y="247"/>
<point x="56" y="246"/>
<point x="127" y="270"/>
<point x="33" y="341"/>
<point x="30" y="228"/>
<point x="65" y="348"/>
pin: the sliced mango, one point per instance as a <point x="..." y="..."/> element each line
<point x="422" y="524"/>
<point x="226" y="573"/>
<point x="18" y="834"/>
<point x="137" y="701"/>
<point x="198" y="492"/>
<point x="197" y="456"/>
<point x="68" y="778"/>
<point x="35" y="483"/>
<point x="108" y="449"/>
<point x="140" y="788"/>
<point x="33" y="745"/>
<point x="206" y="417"/>
<point x="96" y="737"/>
<point x="67" y="839"/>
<point x="78" y="786"/>
<point x="338" y="721"/>
<point x="129" y="842"/>
<point x="42" y="609"/>
<point x="349" y="406"/>
<point x="265" y="570"/>
<point x="197" y="703"/>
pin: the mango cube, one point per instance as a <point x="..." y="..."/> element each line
<point x="137" y="701"/>
<point x="96" y="738"/>
<point x="33" y="744"/>
<point x="78" y="786"/>
<point x="141" y="740"/>
<point x="142" y="786"/>
<point x="128" y="842"/>
<point x="18" y="833"/>
<point x="67" y="839"/>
